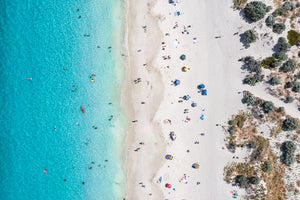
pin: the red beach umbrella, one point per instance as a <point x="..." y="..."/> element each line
<point x="168" y="185"/>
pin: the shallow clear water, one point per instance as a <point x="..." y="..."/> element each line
<point x="38" y="40"/>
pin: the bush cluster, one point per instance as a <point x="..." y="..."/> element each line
<point x="249" y="100"/>
<point x="270" y="21"/>
<point x="268" y="62"/>
<point x="232" y="129"/>
<point x="281" y="55"/>
<point x="244" y="182"/>
<point x="289" y="66"/>
<point x="275" y="81"/>
<point x="231" y="122"/>
<point x="288" y="148"/>
<point x="248" y="37"/>
<point x="283" y="45"/>
<point x="251" y="64"/>
<point x="253" y="79"/>
<point x="267" y="166"/>
<point x="293" y="37"/>
<point x="289" y="124"/>
<point x="255" y="11"/>
<point x="296" y="86"/>
<point x="278" y="28"/>
<point x="288" y="6"/>
<point x="268" y="107"/>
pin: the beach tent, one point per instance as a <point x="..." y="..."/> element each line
<point x="168" y="185"/>
<point x="176" y="82"/>
<point x="204" y="92"/>
<point x="201" y="86"/>
<point x="194" y="104"/>
<point x="182" y="57"/>
<point x="196" y="166"/>
<point x="202" y="117"/>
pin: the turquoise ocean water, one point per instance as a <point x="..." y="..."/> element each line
<point x="45" y="40"/>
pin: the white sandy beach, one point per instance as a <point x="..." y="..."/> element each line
<point x="213" y="62"/>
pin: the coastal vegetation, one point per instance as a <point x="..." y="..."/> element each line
<point x="248" y="37"/>
<point x="255" y="11"/>
<point x="270" y="21"/>
<point x="239" y="4"/>
<point x="278" y="28"/>
<point x="293" y="37"/>
<point x="264" y="135"/>
<point x="289" y="66"/>
<point x="262" y="173"/>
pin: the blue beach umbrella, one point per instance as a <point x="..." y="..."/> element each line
<point x="201" y="86"/>
<point x="194" y="104"/>
<point x="204" y="92"/>
<point x="182" y="57"/>
<point x="176" y="82"/>
<point x="202" y="117"/>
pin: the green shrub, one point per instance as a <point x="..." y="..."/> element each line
<point x="296" y="86"/>
<point x="232" y="129"/>
<point x="281" y="55"/>
<point x="289" y="125"/>
<point x="240" y="124"/>
<point x="275" y="81"/>
<point x="267" y="62"/>
<point x="270" y="21"/>
<point x="278" y="28"/>
<point x="289" y="66"/>
<point x="289" y="6"/>
<point x="288" y="159"/>
<point x="297" y="76"/>
<point x="242" y="181"/>
<point x="280" y="109"/>
<point x="253" y="79"/>
<point x="268" y="107"/>
<point x="275" y="64"/>
<point x="248" y="37"/>
<point x="269" y="8"/>
<point x="255" y="11"/>
<point x="251" y="64"/>
<point x="283" y="45"/>
<point x="267" y="166"/>
<point x="279" y="12"/>
<point x="254" y="180"/>
<point x="288" y="147"/>
<point x="250" y="100"/>
<point x="293" y="37"/>
<point x="231" y="122"/>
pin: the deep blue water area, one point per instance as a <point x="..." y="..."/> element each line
<point x="48" y="146"/>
